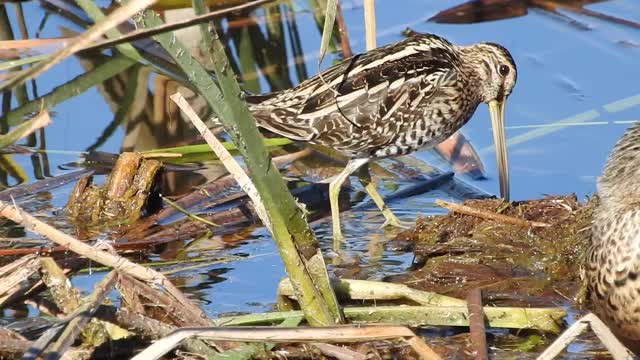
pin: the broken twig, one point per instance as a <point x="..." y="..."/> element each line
<point x="229" y="162"/>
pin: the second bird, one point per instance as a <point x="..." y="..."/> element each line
<point x="391" y="101"/>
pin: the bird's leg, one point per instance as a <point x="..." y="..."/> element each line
<point x="334" y="192"/>
<point x="390" y="219"/>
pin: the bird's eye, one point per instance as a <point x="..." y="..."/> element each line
<point x="504" y="70"/>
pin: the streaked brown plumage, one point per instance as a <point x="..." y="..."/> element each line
<point x="393" y="100"/>
<point x="613" y="257"/>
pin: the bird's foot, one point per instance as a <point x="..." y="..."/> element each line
<point x="397" y="223"/>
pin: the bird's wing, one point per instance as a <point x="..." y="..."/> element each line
<point x="278" y="112"/>
<point x="377" y="89"/>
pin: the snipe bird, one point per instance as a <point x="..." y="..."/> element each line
<point x="613" y="257"/>
<point x="391" y="101"/>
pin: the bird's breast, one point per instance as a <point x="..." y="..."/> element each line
<point x="613" y="268"/>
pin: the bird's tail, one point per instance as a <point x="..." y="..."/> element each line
<point x="252" y="101"/>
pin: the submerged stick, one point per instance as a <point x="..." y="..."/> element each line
<point x="484" y="214"/>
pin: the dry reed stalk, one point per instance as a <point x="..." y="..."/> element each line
<point x="226" y="158"/>
<point x="370" y="24"/>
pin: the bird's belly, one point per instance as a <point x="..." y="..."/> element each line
<point x="407" y="147"/>
<point x="419" y="135"/>
<point x="620" y="310"/>
<point x="614" y="279"/>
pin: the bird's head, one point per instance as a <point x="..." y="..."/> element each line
<point x="496" y="73"/>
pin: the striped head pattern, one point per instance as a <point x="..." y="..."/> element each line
<point x="495" y="67"/>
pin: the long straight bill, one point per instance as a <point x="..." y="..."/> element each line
<point x="496" y="111"/>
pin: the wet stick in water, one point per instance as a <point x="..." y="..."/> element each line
<point x="476" y="325"/>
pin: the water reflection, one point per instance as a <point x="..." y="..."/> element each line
<point x="476" y="11"/>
